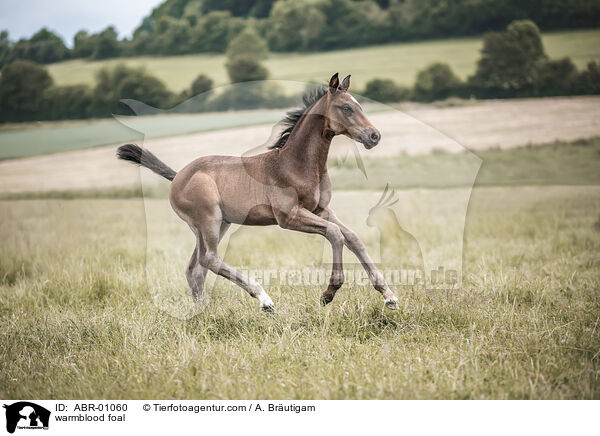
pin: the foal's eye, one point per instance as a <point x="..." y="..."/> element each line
<point x="347" y="109"/>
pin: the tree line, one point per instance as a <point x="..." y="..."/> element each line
<point x="208" y="26"/>
<point x="513" y="63"/>
<point x="28" y="92"/>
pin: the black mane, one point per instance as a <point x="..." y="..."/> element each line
<point x="292" y="117"/>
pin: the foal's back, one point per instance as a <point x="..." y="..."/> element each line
<point x="231" y="188"/>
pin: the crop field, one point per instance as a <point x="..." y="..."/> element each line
<point x="34" y="139"/>
<point x="399" y="62"/>
<point x="78" y="311"/>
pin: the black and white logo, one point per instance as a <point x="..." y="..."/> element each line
<point x="26" y="415"/>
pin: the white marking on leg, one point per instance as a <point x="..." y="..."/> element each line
<point x="260" y="294"/>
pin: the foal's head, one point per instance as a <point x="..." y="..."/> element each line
<point x="345" y="115"/>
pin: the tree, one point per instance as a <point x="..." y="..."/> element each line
<point x="261" y="8"/>
<point x="245" y="69"/>
<point x="385" y="91"/>
<point x="236" y="7"/>
<point x="174" y="38"/>
<point x="249" y="43"/>
<point x="83" y="45"/>
<point x="44" y="47"/>
<point x="5" y="49"/>
<point x="509" y="60"/>
<point x="295" y="25"/>
<point x="22" y="86"/>
<point x="435" y="82"/>
<point x="348" y="23"/>
<point x="106" y="44"/>
<point x="214" y="30"/>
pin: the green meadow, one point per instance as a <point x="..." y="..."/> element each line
<point x="78" y="311"/>
<point x="399" y="62"/>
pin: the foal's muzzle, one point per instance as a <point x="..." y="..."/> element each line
<point x="370" y="138"/>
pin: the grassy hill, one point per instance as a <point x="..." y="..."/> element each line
<point x="399" y="62"/>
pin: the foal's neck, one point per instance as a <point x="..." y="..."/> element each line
<point x="308" y="144"/>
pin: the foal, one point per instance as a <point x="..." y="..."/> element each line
<point x="287" y="185"/>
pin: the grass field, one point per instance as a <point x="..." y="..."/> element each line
<point x="399" y="62"/>
<point x="75" y="311"/>
<point x="574" y="163"/>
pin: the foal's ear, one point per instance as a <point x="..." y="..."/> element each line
<point x="345" y="83"/>
<point x="334" y="83"/>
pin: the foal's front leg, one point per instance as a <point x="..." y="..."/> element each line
<point x="302" y="220"/>
<point x="353" y="242"/>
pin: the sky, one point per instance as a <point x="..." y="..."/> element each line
<point x="22" y="18"/>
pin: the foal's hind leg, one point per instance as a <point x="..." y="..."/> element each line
<point x="195" y="275"/>
<point x="195" y="272"/>
<point x="209" y="234"/>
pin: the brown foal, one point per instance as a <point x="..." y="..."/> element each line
<point x="287" y="185"/>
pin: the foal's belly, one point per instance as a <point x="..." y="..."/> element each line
<point x="243" y="209"/>
<point x="260" y="215"/>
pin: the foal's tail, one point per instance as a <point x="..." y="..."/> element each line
<point x="137" y="155"/>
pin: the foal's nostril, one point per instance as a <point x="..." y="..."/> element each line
<point x="374" y="136"/>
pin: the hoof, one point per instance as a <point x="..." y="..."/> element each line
<point x="392" y="304"/>
<point x="326" y="299"/>
<point x="269" y="309"/>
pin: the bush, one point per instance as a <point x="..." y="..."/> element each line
<point x="194" y="99"/>
<point x="436" y="82"/>
<point x="201" y="84"/>
<point x="588" y="81"/>
<point x="67" y="102"/>
<point x="385" y="91"/>
<point x="555" y="77"/>
<point x="123" y="82"/>
<point x="22" y="86"/>
<point x="251" y="95"/>
<point x="245" y="69"/>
